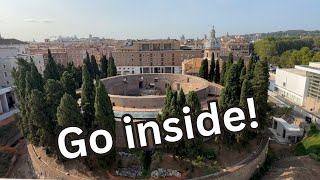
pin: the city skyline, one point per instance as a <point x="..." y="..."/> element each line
<point x="152" y="19"/>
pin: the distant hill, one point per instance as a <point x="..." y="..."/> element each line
<point x="288" y="33"/>
<point x="11" y="41"/>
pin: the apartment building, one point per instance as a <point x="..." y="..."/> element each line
<point x="238" y="46"/>
<point x="70" y="52"/>
<point x="151" y="56"/>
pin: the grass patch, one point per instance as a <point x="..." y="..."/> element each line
<point x="5" y="159"/>
<point x="309" y="145"/>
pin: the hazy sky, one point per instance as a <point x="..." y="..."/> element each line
<point x="122" y="19"/>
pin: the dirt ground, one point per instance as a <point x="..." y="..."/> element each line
<point x="295" y="168"/>
<point x="22" y="168"/>
<point x="292" y="167"/>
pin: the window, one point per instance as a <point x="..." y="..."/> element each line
<point x="4" y="66"/>
<point x="8" y="82"/>
<point x="5" y="74"/>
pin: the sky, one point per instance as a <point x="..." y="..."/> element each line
<point x="136" y="19"/>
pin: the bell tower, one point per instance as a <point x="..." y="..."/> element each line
<point x="213" y="33"/>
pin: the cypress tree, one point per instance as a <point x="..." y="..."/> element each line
<point x="230" y="60"/>
<point x="68" y="112"/>
<point x="20" y="81"/>
<point x="230" y="95"/>
<point x="76" y="73"/>
<point x="87" y="62"/>
<point x="181" y="99"/>
<point x="203" y="71"/>
<point x="217" y="72"/>
<point x="173" y="105"/>
<point x="39" y="117"/>
<point x="28" y="122"/>
<point x="54" y="93"/>
<point x="242" y="137"/>
<point x="68" y="84"/>
<point x="245" y="92"/>
<point x="240" y="63"/>
<point x="68" y="115"/>
<point x="250" y="68"/>
<point x="243" y="74"/>
<point x="104" y="119"/>
<point x="223" y="73"/>
<point x="260" y="85"/>
<point x="87" y="98"/>
<point x="112" y="69"/>
<point x="211" y="72"/>
<point x="36" y="77"/>
<point x="194" y="146"/>
<point x="104" y="66"/>
<point x="95" y="69"/>
<point x="166" y="105"/>
<point x="51" y="71"/>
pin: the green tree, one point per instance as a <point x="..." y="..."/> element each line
<point x="260" y="85"/>
<point x="87" y="98"/>
<point x="181" y="99"/>
<point x="104" y="119"/>
<point x="240" y="63"/>
<point x="51" y="71"/>
<point x="203" y="71"/>
<point x="87" y="62"/>
<point x="68" y="84"/>
<point x="40" y="120"/>
<point x="217" y="72"/>
<point x="223" y="73"/>
<point x="230" y="60"/>
<point x="104" y="66"/>
<point x="112" y="69"/>
<point x="194" y="146"/>
<point x="211" y="72"/>
<point x="76" y="73"/>
<point x="68" y="115"/>
<point x="68" y="112"/>
<point x="243" y="74"/>
<point x="230" y="94"/>
<point x="54" y="93"/>
<point x="95" y="68"/>
<point x="250" y="67"/>
<point x="37" y="80"/>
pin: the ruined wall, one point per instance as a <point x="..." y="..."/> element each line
<point x="118" y="89"/>
<point x="244" y="169"/>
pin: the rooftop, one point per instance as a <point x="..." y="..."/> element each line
<point x="289" y="127"/>
<point x="295" y="71"/>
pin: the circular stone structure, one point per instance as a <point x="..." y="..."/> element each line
<point x="142" y="95"/>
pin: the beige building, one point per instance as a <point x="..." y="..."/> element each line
<point x="151" y="56"/>
<point x="239" y="47"/>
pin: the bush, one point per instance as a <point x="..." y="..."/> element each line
<point x="314" y="156"/>
<point x="210" y="154"/>
<point x="313" y="129"/>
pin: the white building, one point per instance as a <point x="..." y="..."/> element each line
<point x="285" y="132"/>
<point x="291" y="84"/>
<point x="301" y="85"/>
<point x="9" y="53"/>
